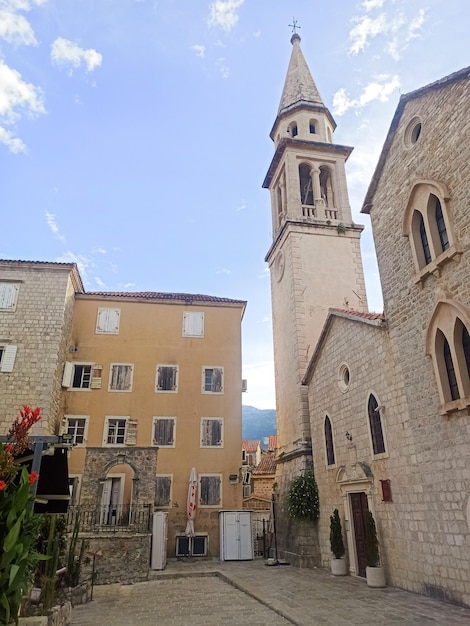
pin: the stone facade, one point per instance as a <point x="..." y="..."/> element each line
<point x="39" y="326"/>
<point x="124" y="557"/>
<point x="418" y="488"/>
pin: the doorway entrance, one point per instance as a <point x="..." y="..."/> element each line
<point x="359" y="509"/>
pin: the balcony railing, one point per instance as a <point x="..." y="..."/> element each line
<point x="120" y="518"/>
<point x="321" y="212"/>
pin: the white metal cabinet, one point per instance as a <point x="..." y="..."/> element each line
<point x="236" y="539"/>
<point x="159" y="540"/>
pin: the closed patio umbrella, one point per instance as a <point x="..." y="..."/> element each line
<point x="191" y="508"/>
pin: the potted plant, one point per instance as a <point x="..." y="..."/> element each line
<point x="374" y="571"/>
<point x="338" y="562"/>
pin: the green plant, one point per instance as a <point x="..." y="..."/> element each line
<point x="336" y="535"/>
<point x="74" y="561"/>
<point x="303" y="502"/>
<point x="372" y="543"/>
<point x="341" y="228"/>
<point x="19" y="527"/>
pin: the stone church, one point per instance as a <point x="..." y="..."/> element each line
<point x="377" y="404"/>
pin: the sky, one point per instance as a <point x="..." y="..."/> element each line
<point x="134" y="134"/>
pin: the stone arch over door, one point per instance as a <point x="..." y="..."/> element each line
<point x="100" y="461"/>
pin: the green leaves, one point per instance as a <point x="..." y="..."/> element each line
<point x="302" y="499"/>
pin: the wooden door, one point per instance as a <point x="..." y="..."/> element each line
<point x="359" y="508"/>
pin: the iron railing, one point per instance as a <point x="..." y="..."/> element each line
<point x="120" y="518"/>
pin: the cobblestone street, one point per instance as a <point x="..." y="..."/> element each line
<point x="216" y="593"/>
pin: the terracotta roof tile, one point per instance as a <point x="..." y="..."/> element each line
<point x="251" y="445"/>
<point x="267" y="465"/>
<point x="272" y="442"/>
<point x="360" y="314"/>
<point x="157" y="295"/>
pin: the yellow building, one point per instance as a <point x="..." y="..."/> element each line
<point x="152" y="387"/>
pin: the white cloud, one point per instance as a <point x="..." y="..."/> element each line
<point x="224" y="69"/>
<point x="51" y="222"/>
<point x="66" y="52"/>
<point x="223" y="271"/>
<point x="99" y="282"/>
<point x="398" y="28"/>
<point x="14" y="144"/>
<point x="380" y="89"/>
<point x="260" y="377"/>
<point x="83" y="263"/>
<point x="199" y="50"/>
<point x="223" y="13"/>
<point x="16" y="94"/>
<point x="242" y="205"/>
<point x="16" y="29"/>
<point x="99" y="251"/>
<point x="126" y="286"/>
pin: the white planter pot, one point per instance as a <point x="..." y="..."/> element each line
<point x="338" y="567"/>
<point x="375" y="576"/>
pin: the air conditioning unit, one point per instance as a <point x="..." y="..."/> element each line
<point x="197" y="546"/>
<point x="244" y="385"/>
<point x="246" y="491"/>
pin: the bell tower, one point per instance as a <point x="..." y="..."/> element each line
<point x="314" y="260"/>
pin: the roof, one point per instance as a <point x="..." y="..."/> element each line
<point x="272" y="442"/>
<point x="418" y="93"/>
<point x="372" y="319"/>
<point x="251" y="445"/>
<point x="267" y="465"/>
<point x="70" y="267"/>
<point x="299" y="87"/>
<point x="157" y="295"/>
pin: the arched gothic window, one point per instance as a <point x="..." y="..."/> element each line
<point x="448" y="343"/>
<point x="330" y="451"/>
<point x="375" y="424"/>
<point x="306" y="191"/>
<point x="428" y="227"/>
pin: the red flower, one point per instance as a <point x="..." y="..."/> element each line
<point x="2" y="484"/>
<point x="33" y="478"/>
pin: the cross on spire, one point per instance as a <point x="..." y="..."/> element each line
<point x="294" y="25"/>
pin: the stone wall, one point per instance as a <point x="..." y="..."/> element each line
<point x="125" y="557"/>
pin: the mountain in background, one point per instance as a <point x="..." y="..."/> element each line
<point x="258" y="423"/>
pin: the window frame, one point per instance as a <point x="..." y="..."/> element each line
<point x="7" y="357"/>
<point x="191" y="328"/>
<point x="422" y="206"/>
<point x="68" y="377"/>
<point x="117" y="418"/>
<point x="329" y="443"/>
<point x="378" y="418"/>
<point x="108" y="328"/>
<point x="15" y="288"/>
<point x="170" y="491"/>
<point x="217" y="505"/>
<point x="213" y="368"/>
<point x="176" y="378"/>
<point x="203" y="434"/>
<point x="86" y="419"/>
<point x="157" y="418"/>
<point x="444" y="324"/>
<point x="110" y="379"/>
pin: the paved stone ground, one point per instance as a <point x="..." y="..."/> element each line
<point x="193" y="593"/>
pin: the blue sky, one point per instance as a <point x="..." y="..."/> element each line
<point x="134" y="134"/>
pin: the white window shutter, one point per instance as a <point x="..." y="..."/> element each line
<point x="8" y="294"/>
<point x="131" y="433"/>
<point x="8" y="360"/>
<point x="68" y="373"/>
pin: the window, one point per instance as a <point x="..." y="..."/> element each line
<point x="212" y="380"/>
<point x="115" y="431"/>
<point x="193" y="324"/>
<point x="163" y="491"/>
<point x="167" y="378"/>
<point x="164" y="431"/>
<point x="210" y="489"/>
<point x="312" y="125"/>
<point x="448" y="343"/>
<point x="375" y="424"/>
<point x="74" y="489"/>
<point x="326" y="187"/>
<point x="107" y="321"/>
<point x="76" y="426"/>
<point x="77" y="375"/>
<point x="212" y="432"/>
<point x="293" y="130"/>
<point x="412" y="132"/>
<point x="330" y="452"/>
<point x="8" y="296"/>
<point x="306" y="190"/>
<point x="428" y="227"/>
<point x="120" y="377"/>
<point x="7" y="358"/>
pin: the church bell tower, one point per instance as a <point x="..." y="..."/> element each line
<point x="314" y="260"/>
